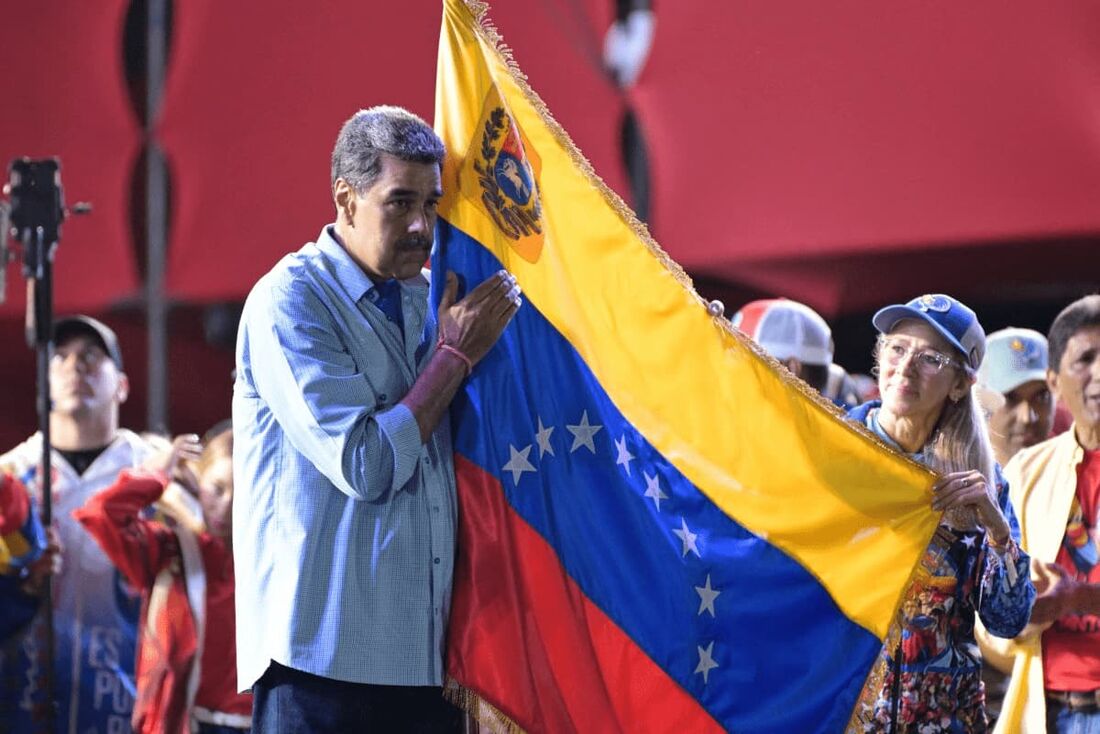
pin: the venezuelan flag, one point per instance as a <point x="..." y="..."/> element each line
<point x="660" y="529"/>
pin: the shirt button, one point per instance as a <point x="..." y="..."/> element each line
<point x="435" y="509"/>
<point x="382" y="396"/>
<point x="435" y="561"/>
<point x="427" y="460"/>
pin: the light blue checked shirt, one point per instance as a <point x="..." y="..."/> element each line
<point x="343" y="521"/>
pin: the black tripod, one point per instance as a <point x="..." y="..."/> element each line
<point x="36" y="212"/>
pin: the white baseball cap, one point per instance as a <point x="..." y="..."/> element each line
<point x="1013" y="357"/>
<point x="786" y="329"/>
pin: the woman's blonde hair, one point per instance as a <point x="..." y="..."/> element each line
<point x="961" y="440"/>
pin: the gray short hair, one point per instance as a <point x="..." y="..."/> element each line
<point x="357" y="155"/>
<point x="1083" y="313"/>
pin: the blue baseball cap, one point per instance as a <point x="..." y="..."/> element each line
<point x="952" y="319"/>
<point x="1014" y="356"/>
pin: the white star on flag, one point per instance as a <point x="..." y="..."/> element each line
<point x="687" y="537"/>
<point x="653" y="490"/>
<point x="518" y="463"/>
<point x="625" y="457"/>
<point x="543" y="438"/>
<point x="706" y="661"/>
<point x="707" y="595"/>
<point x="583" y="433"/>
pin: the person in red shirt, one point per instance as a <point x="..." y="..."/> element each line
<point x="1055" y="490"/>
<point x="186" y="663"/>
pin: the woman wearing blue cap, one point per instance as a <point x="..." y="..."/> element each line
<point x="929" y="673"/>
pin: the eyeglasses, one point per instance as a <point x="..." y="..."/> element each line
<point x="929" y="362"/>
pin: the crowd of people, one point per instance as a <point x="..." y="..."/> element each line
<point x="291" y="571"/>
<point x="1010" y="570"/>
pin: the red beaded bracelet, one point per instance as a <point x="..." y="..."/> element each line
<point x="458" y="353"/>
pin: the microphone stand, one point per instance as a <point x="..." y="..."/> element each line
<point x="36" y="212"/>
<point x="38" y="270"/>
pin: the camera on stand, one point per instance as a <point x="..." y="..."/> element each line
<point x="32" y="218"/>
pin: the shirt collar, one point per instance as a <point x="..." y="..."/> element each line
<point x="346" y="271"/>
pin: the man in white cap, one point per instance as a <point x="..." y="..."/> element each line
<point x="1014" y="375"/>
<point x="792" y="333"/>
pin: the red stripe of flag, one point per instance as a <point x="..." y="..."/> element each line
<point x="522" y="628"/>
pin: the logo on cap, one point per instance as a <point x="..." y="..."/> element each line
<point x="937" y="303"/>
<point x="1027" y="351"/>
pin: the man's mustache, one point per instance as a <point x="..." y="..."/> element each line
<point x="415" y="243"/>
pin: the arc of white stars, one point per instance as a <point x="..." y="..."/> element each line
<point x="688" y="538"/>
<point x="706" y="661"/>
<point x="707" y="595"/>
<point x="543" y="439"/>
<point x="583" y="433"/>
<point x="518" y="463"/>
<point x="653" y="490"/>
<point x="625" y="457"/>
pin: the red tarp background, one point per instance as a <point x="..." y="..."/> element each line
<point x="64" y="94"/>
<point x="790" y="140"/>
<point x="844" y="154"/>
<point x="254" y="102"/>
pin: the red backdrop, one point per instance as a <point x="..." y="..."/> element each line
<point x="844" y="154"/>
<point x="790" y="140"/>
<point x="64" y="94"/>
<point x="254" y="101"/>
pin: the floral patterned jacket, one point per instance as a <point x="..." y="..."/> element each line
<point x="928" y="677"/>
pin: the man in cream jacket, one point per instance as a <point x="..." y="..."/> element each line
<point x="1055" y="490"/>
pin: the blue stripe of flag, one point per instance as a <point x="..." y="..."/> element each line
<point x="687" y="583"/>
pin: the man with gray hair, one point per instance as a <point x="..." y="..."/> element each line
<point x="1055" y="490"/>
<point x="345" y="511"/>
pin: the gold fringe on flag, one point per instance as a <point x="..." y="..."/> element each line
<point x="488" y="718"/>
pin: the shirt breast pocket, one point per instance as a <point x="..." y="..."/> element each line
<point x="384" y="371"/>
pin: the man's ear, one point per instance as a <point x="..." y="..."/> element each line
<point x="344" y="197"/>
<point x="122" y="390"/>
<point x="1052" y="383"/>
